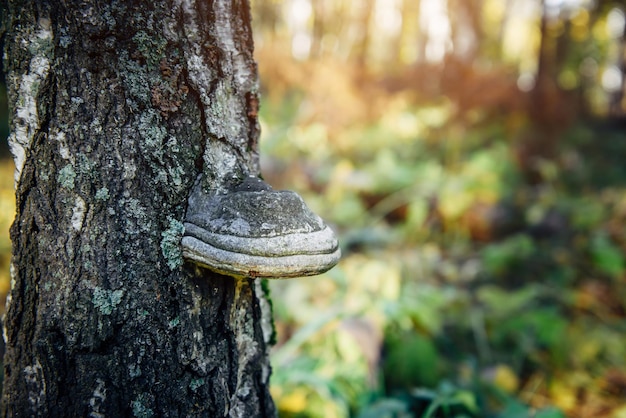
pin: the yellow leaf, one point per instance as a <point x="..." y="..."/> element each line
<point x="563" y="396"/>
<point x="293" y="402"/>
<point x="506" y="379"/>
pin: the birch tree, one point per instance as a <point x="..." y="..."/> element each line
<point x="116" y="108"/>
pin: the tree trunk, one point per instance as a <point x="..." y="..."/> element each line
<point x="116" y="108"/>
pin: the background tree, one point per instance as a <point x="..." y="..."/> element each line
<point x="116" y="107"/>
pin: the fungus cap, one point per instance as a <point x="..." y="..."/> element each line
<point x="254" y="231"/>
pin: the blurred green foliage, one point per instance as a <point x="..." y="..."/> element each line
<point x="483" y="227"/>
<point x="514" y="311"/>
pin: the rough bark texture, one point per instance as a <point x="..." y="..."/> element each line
<point x="116" y="108"/>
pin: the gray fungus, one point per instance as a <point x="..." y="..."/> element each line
<point x="252" y="230"/>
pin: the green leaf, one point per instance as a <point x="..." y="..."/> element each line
<point x="607" y="257"/>
<point x="514" y="409"/>
<point x="386" y="408"/>
<point x="497" y="258"/>
<point x="550" y="413"/>
<point x="412" y="360"/>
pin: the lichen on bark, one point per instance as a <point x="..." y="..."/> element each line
<point x="116" y="108"/>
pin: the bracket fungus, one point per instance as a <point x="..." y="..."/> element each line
<point x="252" y="230"/>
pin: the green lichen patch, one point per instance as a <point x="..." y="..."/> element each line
<point x="140" y="410"/>
<point x="102" y="194"/>
<point x="195" y="384"/>
<point x="40" y="43"/>
<point x="176" y="175"/>
<point x="67" y="177"/>
<point x="150" y="127"/>
<point x="106" y="300"/>
<point x="85" y="166"/>
<point x="136" y="220"/>
<point x="135" y="82"/>
<point x="170" y="243"/>
<point x="151" y="48"/>
<point x="174" y="322"/>
<point x="134" y="371"/>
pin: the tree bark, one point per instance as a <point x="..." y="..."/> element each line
<point x="116" y="108"/>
